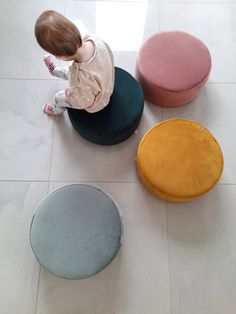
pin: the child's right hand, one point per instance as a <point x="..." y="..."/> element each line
<point x="49" y="63"/>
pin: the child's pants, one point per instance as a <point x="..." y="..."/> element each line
<point x="60" y="103"/>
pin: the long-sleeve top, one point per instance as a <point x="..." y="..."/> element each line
<point x="91" y="83"/>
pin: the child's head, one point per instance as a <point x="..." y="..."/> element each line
<point x="57" y="35"/>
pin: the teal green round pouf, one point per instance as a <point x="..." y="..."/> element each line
<point x="119" y="119"/>
<point x="76" y="231"/>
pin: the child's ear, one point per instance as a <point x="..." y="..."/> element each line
<point x="61" y="58"/>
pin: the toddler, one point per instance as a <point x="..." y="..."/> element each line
<point x="91" y="75"/>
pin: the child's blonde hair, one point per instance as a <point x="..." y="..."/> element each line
<point x="56" y="34"/>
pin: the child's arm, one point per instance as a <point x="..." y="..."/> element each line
<point x="61" y="72"/>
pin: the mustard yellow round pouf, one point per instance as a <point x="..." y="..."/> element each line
<point x="179" y="160"/>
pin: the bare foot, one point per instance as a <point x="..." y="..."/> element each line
<point x="49" y="63"/>
<point x="48" y="109"/>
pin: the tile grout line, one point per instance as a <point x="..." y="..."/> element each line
<point x="58" y="80"/>
<point x="158" y="1"/>
<point x="194" y="2"/>
<point x="158" y="18"/>
<point x="52" y="181"/>
<point x="52" y="145"/>
<point x="65" y="7"/>
<point x="92" y="181"/>
<point x="168" y="255"/>
<point x="222" y="83"/>
<point x="39" y="275"/>
<point x="22" y="180"/>
<point x="159" y="27"/>
<point x="36" y="303"/>
<point x="29" y="79"/>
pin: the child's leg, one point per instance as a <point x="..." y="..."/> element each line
<point x="61" y="72"/>
<point x="59" y="105"/>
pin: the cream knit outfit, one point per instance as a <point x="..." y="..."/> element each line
<point x="91" y="83"/>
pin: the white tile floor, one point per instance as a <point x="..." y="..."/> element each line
<point x="176" y="258"/>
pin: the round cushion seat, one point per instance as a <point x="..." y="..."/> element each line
<point x="179" y="160"/>
<point x="119" y="119"/>
<point x="76" y="231"/>
<point x="172" y="67"/>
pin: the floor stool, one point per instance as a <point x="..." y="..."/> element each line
<point x="179" y="160"/>
<point x="119" y="119"/>
<point x="172" y="67"/>
<point x="76" y="231"/>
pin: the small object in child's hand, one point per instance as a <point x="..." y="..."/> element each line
<point x="49" y="63"/>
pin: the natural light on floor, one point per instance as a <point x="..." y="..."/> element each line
<point x="122" y="23"/>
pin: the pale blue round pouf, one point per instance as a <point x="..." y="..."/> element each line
<point x="76" y="231"/>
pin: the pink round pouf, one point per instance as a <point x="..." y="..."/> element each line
<point x="172" y="67"/>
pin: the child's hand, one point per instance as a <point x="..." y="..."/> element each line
<point x="49" y="63"/>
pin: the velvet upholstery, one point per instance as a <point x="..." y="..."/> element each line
<point x="116" y="122"/>
<point x="179" y="160"/>
<point x="76" y="231"/>
<point x="172" y="67"/>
